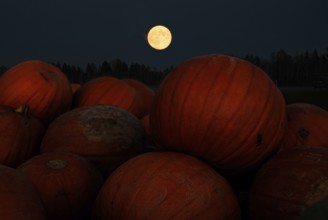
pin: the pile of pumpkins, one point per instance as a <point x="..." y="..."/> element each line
<point x="215" y="140"/>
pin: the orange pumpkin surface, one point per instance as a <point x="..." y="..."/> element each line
<point x="18" y="197"/>
<point x="166" y="185"/>
<point x="111" y="91"/>
<point x="307" y="125"/>
<point x="40" y="85"/>
<point x="146" y="94"/>
<point x="222" y="109"/>
<point x="105" y="134"/>
<point x="20" y="135"/>
<point x="67" y="183"/>
<point x="290" y="182"/>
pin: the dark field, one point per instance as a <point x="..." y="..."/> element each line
<point x="316" y="96"/>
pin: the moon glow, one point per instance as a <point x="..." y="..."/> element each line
<point x="159" y="37"/>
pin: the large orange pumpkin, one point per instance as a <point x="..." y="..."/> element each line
<point x="40" y="85"/>
<point x="105" y="134"/>
<point x="19" y="198"/>
<point x="166" y="185"/>
<point x="289" y="183"/>
<point x="307" y="125"/>
<point x="222" y="109"/>
<point x="68" y="184"/>
<point x="20" y="135"/>
<point x="146" y="94"/>
<point x="111" y="91"/>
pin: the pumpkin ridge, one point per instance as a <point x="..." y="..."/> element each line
<point x="140" y="188"/>
<point x="11" y="153"/>
<point x="228" y="121"/>
<point x="105" y="91"/>
<point x="186" y="94"/>
<point x="46" y="76"/>
<point x="180" y="211"/>
<point x="160" y="113"/>
<point x="253" y="130"/>
<point x="224" y="155"/>
<point x="282" y="122"/>
<point x="81" y="95"/>
<point x="129" y="166"/>
<point x="40" y="104"/>
<point x="122" y="98"/>
<point x="216" y="109"/>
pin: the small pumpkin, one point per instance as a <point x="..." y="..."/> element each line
<point x="19" y="198"/>
<point x="165" y="185"/>
<point x="38" y="84"/>
<point x="307" y="125"/>
<point x="20" y="135"/>
<point x="145" y="92"/>
<point x="111" y="91"/>
<point x="105" y="134"/>
<point x="75" y="87"/>
<point x="67" y="183"/>
<point x="222" y="109"/>
<point x="289" y="183"/>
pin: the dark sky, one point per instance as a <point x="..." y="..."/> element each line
<point x="80" y="31"/>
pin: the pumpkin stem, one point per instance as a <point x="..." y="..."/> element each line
<point x="56" y="164"/>
<point x="23" y="110"/>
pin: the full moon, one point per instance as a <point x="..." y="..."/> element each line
<point x="159" y="37"/>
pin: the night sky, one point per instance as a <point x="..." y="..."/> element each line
<point x="78" y="31"/>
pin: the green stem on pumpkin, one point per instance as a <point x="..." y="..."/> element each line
<point x="23" y="110"/>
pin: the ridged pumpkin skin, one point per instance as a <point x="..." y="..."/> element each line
<point x="111" y="91"/>
<point x="222" y="109"/>
<point x="288" y="183"/>
<point x="68" y="184"/>
<point x="20" y="135"/>
<point x="165" y="185"/>
<point x="307" y="125"/>
<point x="146" y="94"/>
<point x="105" y="134"/>
<point x="40" y="85"/>
<point x="18" y="197"/>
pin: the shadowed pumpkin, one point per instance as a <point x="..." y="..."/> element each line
<point x="290" y="182"/>
<point x="68" y="184"/>
<point x="307" y="125"/>
<point x="166" y="185"/>
<point x="111" y="91"/>
<point x="20" y="135"/>
<point x="105" y="134"/>
<point x="222" y="109"/>
<point x="40" y="85"/>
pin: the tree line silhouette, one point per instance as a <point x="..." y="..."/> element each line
<point x="285" y="70"/>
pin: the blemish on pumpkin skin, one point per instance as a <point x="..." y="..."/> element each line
<point x="111" y="126"/>
<point x="303" y="133"/>
<point x="47" y="76"/>
<point x="318" y="191"/>
<point x="259" y="139"/>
